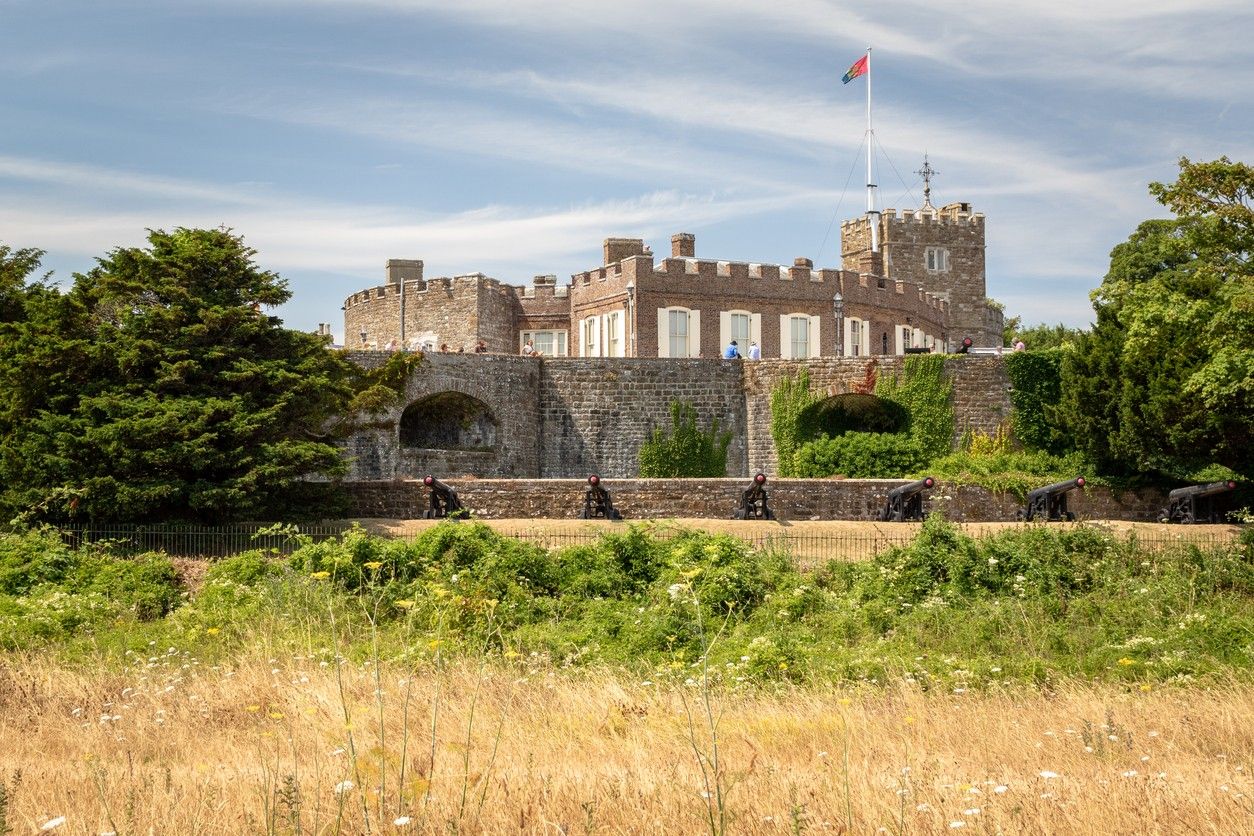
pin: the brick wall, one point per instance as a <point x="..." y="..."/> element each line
<point x="789" y="499"/>
<point x="596" y="413"/>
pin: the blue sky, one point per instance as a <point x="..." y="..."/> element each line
<point x="512" y="136"/>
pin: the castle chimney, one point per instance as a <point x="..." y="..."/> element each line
<point x="803" y="262"/>
<point x="617" y="249"/>
<point x="404" y="270"/>
<point x="683" y="245"/>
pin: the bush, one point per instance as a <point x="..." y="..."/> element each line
<point x="860" y="456"/>
<point x="30" y="559"/>
<point x="686" y="451"/>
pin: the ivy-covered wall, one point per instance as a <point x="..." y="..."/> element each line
<point x="568" y="417"/>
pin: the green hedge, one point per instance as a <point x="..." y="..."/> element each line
<point x="860" y="455"/>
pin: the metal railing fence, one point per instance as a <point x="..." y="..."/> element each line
<point x="808" y="547"/>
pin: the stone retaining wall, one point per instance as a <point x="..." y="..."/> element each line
<point x="790" y="499"/>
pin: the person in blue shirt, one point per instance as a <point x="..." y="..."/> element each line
<point x="732" y="352"/>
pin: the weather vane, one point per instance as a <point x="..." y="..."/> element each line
<point x="927" y="173"/>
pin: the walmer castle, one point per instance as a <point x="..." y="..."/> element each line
<point x="917" y="283"/>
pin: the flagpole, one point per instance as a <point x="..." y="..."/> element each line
<point x="872" y="214"/>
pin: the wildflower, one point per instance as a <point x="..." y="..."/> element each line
<point x="401" y="821"/>
<point x="52" y="824"/>
<point x="406" y="604"/>
<point x="974" y="811"/>
<point x="212" y="631"/>
<point x="343" y="787"/>
<point x="1130" y="773"/>
<point x="1047" y="775"/>
<point x="1125" y="661"/>
<point x="1000" y="789"/>
<point x="674" y="590"/>
<point x="922" y="808"/>
<point x="276" y="715"/>
<point x="1147" y="687"/>
<point x="320" y="576"/>
<point x="954" y="825"/>
<point x="373" y="565"/>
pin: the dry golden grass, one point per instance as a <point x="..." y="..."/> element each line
<point x="173" y="748"/>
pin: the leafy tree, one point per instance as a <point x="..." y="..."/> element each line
<point x="156" y="388"/>
<point x="1164" y="383"/>
<point x="1040" y="336"/>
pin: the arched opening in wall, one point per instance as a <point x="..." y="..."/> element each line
<point x="448" y="421"/>
<point x="852" y="412"/>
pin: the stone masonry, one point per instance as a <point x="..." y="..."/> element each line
<point x="558" y="417"/>
<point x="790" y="499"/>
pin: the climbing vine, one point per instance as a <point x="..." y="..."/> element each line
<point x="789" y="397"/>
<point x="1036" y="387"/>
<point x="687" y="450"/>
<point x="922" y="390"/>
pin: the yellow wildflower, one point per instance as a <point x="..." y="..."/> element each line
<point x="1126" y="662"/>
<point x="320" y="576"/>
<point x="373" y="565"/>
<point x="213" y="631"/>
<point x="406" y="604"/>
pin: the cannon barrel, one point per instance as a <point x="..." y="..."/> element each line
<point x="597" y="502"/>
<point x="444" y="500"/>
<point x="435" y="484"/>
<point x="1059" y="487"/>
<point x="753" y="501"/>
<point x="1209" y="489"/>
<point x="912" y="488"/>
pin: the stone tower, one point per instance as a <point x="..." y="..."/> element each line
<point x="940" y="250"/>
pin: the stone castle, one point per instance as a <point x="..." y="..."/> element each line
<point x="922" y="289"/>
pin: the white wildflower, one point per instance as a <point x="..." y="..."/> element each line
<point x="1047" y="775"/>
<point x="343" y="787"/>
<point x="52" y="824"/>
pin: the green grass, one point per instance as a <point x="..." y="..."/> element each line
<point x="947" y="610"/>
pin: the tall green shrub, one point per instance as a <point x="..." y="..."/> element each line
<point x="687" y="450"/>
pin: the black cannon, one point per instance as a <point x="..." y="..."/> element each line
<point x="443" y="501"/>
<point x="1050" y="502"/>
<point x="1197" y="503"/>
<point x="966" y="345"/>
<point x="596" y="501"/>
<point x="753" y="502"/>
<point x="906" y="502"/>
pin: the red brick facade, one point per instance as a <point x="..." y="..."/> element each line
<point x="923" y="290"/>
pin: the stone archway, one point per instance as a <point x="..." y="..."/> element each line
<point x="852" y="412"/>
<point x="448" y="433"/>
